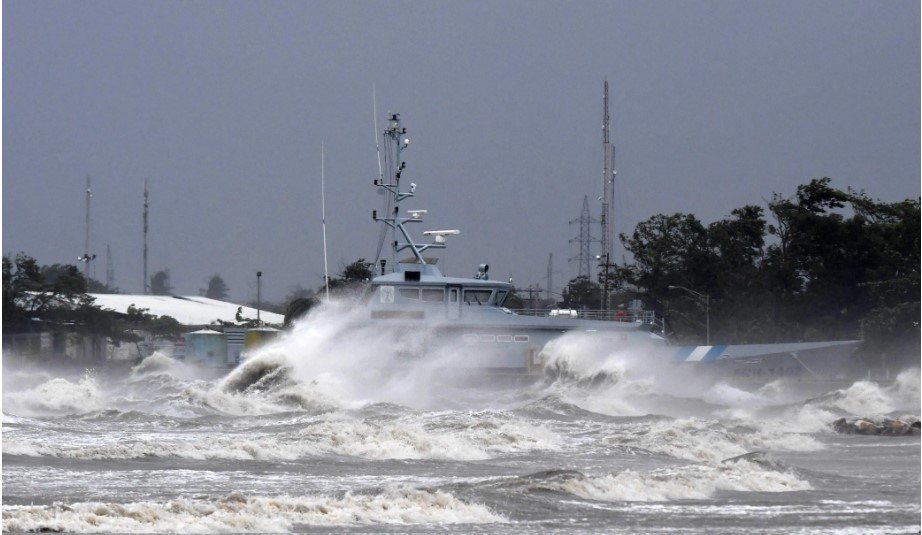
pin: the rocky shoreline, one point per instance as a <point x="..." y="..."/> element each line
<point x="887" y="426"/>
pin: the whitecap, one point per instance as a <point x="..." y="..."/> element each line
<point x="237" y="512"/>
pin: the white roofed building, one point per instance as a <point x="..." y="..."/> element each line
<point x="192" y="311"/>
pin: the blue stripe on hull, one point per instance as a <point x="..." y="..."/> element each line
<point x="699" y="353"/>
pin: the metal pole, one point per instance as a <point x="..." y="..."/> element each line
<point x="259" y="274"/>
<point x="146" y="280"/>
<point x="86" y="247"/>
<point x="604" y="305"/>
<point x="605" y="289"/>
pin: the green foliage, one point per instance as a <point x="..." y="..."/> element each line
<point x="665" y="247"/>
<point x="33" y="292"/>
<point x="296" y="293"/>
<point x="581" y="294"/>
<point x="160" y="283"/>
<point x="298" y="308"/>
<point x="351" y="280"/>
<point x="514" y="301"/>
<point x="831" y="265"/>
<point x="94" y="286"/>
<point x="140" y="319"/>
<point x="53" y="298"/>
<point x="217" y="289"/>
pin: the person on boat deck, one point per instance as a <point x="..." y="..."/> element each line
<point x="621" y="314"/>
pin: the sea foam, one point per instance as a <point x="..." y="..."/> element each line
<point x="236" y="512"/>
<point x="429" y="436"/>
<point x="707" y="441"/>
<point x="56" y="397"/>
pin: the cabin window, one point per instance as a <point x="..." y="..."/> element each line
<point x="433" y="295"/>
<point x="477" y="297"/>
<point x="429" y="295"/>
<point x="386" y="294"/>
<point x="501" y="297"/>
<point x="409" y="293"/>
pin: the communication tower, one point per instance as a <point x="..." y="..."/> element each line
<point x="608" y="182"/>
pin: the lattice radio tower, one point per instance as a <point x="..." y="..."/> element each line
<point x="584" y="240"/>
<point x="608" y="182"/>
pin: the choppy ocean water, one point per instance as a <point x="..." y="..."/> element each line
<point x="309" y="435"/>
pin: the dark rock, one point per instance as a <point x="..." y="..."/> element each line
<point x="861" y="426"/>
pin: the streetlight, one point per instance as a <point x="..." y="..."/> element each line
<point x="259" y="275"/>
<point x="605" y="281"/>
<point x="707" y="310"/>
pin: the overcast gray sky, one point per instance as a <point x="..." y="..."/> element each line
<point x="223" y="107"/>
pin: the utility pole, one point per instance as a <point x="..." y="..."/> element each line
<point x="86" y="258"/>
<point x="532" y="291"/>
<point x="259" y="275"/>
<point x="146" y="280"/>
<point x="550" y="273"/>
<point x="86" y="248"/>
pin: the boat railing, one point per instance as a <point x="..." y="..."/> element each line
<point x="645" y="317"/>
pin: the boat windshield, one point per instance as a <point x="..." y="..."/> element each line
<point x="477" y="297"/>
<point x="501" y="297"/>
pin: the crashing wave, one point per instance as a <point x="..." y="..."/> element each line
<point x="688" y="482"/>
<point x="156" y="363"/>
<point x="260" y="374"/>
<point x="57" y="396"/>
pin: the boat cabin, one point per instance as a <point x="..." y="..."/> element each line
<point x="422" y="287"/>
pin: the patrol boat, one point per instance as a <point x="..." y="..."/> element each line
<point x="466" y="314"/>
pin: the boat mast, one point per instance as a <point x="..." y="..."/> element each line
<point x="323" y="216"/>
<point x="395" y="142"/>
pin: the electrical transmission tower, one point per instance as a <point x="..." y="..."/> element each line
<point x="584" y="240"/>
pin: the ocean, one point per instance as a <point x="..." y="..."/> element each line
<point x="319" y="432"/>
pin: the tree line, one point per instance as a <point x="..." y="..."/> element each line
<point x="55" y="298"/>
<point x="823" y="264"/>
